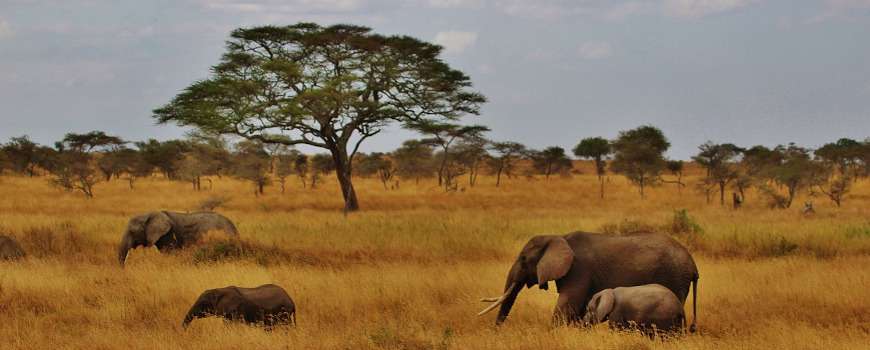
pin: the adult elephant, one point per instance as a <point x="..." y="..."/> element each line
<point x="583" y="264"/>
<point x="169" y="230"/>
<point x="269" y="305"/>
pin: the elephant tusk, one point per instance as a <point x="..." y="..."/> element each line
<point x="488" y="300"/>
<point x="496" y="302"/>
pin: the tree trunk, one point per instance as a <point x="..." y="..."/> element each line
<point x="343" y="173"/>
<point x="498" y="177"/>
<point x="601" y="185"/>
<point x="721" y="193"/>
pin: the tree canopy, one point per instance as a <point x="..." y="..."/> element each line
<point x="328" y="87"/>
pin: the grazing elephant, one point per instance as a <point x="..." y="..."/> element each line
<point x="651" y="308"/>
<point x="9" y="249"/>
<point x="583" y="264"/>
<point x="169" y="230"/>
<point x="268" y="305"/>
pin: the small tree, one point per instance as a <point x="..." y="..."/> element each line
<point x="21" y="155"/>
<point x="675" y="167"/>
<point x="443" y="135"/>
<point x="321" y="164"/>
<point x="284" y="166"/>
<point x="794" y="171"/>
<point x="843" y="155"/>
<point x="300" y="165"/>
<point x="639" y="156"/>
<point x="597" y="149"/>
<point x="252" y="164"/>
<point x="414" y="160"/>
<point x="506" y="154"/>
<point x="75" y="172"/>
<point x="720" y="162"/>
<point x="552" y="160"/>
<point x="375" y="164"/>
<point x="470" y="154"/>
<point x="164" y="156"/>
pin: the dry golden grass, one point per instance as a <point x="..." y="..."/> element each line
<point x="405" y="273"/>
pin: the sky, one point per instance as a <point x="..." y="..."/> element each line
<point x="555" y="71"/>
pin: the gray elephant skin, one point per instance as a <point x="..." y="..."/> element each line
<point x="268" y="305"/>
<point x="651" y="308"/>
<point x="583" y="264"/>
<point x="10" y="249"/>
<point x="170" y="230"/>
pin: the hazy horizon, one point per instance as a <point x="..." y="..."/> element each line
<point x="742" y="71"/>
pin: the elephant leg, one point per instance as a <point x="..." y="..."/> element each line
<point x="569" y="309"/>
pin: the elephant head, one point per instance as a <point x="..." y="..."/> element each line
<point x="143" y="230"/>
<point x="205" y="305"/>
<point x="543" y="259"/>
<point x="600" y="307"/>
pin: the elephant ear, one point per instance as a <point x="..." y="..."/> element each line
<point x="603" y="305"/>
<point x="158" y="224"/>
<point x="555" y="262"/>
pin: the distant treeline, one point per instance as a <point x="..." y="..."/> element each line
<point x="80" y="161"/>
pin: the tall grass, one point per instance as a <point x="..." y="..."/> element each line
<point x="406" y="271"/>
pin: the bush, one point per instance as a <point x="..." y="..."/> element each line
<point x="682" y="223"/>
<point x="629" y="226"/>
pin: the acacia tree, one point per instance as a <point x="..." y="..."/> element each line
<point x="378" y="164"/>
<point x="675" y="167"/>
<point x="328" y="87"/>
<point x="720" y="162"/>
<point x="443" y="135"/>
<point x="845" y="154"/>
<point x="596" y="149"/>
<point x="252" y="163"/>
<point x="414" y="159"/>
<point x="552" y="160"/>
<point x="506" y="153"/>
<point x="639" y="155"/>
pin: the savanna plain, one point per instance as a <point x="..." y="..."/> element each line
<point x="406" y="272"/>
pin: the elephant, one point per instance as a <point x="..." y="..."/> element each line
<point x="583" y="264"/>
<point x="268" y="305"/>
<point x="10" y="249"/>
<point x="651" y="308"/>
<point x="170" y="230"/>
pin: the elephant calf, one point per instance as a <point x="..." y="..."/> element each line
<point x="650" y="308"/>
<point x="267" y="305"/>
<point x="9" y="249"/>
<point x="168" y="230"/>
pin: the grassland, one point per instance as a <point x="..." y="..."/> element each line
<point x="406" y="271"/>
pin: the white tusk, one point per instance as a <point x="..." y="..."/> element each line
<point x="488" y="300"/>
<point x="496" y="302"/>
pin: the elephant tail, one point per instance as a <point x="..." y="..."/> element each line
<point x="694" y="326"/>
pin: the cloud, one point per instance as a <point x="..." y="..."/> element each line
<point x="840" y="8"/>
<point x="622" y="11"/>
<point x="455" y="42"/>
<point x="455" y="3"/>
<point x="595" y="50"/>
<point x="291" y="6"/>
<point x="694" y="9"/>
<point x="5" y="29"/>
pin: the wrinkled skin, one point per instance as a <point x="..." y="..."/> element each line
<point x="583" y="264"/>
<point x="170" y="230"/>
<point x="267" y="305"/>
<point x="651" y="308"/>
<point x="10" y="249"/>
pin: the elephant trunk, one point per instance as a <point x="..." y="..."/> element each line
<point x="125" y="246"/>
<point x="510" y="296"/>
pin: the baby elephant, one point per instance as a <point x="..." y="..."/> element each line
<point x="267" y="305"/>
<point x="9" y="249"/>
<point x="650" y="308"/>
